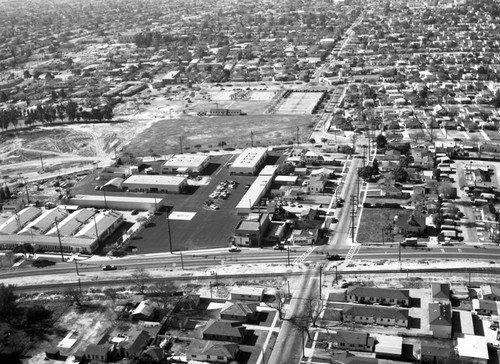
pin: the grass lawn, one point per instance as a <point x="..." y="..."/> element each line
<point x="493" y="134"/>
<point x="163" y="136"/>
<point x="372" y="222"/>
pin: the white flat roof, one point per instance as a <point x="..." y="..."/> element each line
<point x="148" y="179"/>
<point x="150" y="200"/>
<point x="286" y="178"/>
<point x="254" y="192"/>
<point x="186" y="160"/>
<point x="249" y="158"/>
<point x="472" y="346"/>
<point x="269" y="170"/>
<point x="389" y="344"/>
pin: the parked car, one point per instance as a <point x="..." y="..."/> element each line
<point x="334" y="257"/>
<point x="279" y="247"/>
<point x="234" y="249"/>
<point x="109" y="267"/>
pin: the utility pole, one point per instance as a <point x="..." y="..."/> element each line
<point x="80" y="286"/>
<point x="59" y="238"/>
<point x="96" y="231"/>
<point x="76" y="266"/>
<point x="251" y="139"/>
<point x="298" y="142"/>
<point x="288" y="251"/>
<point x="27" y="192"/>
<point x="182" y="260"/>
<point x="104" y="194"/>
<point x="41" y="161"/>
<point x="180" y="144"/>
<point x="352" y="216"/>
<point x="400" y="267"/>
<point x="320" y="283"/>
<point x="169" y="234"/>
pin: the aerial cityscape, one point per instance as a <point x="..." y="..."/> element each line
<point x="250" y="182"/>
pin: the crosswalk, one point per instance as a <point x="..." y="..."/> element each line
<point x="352" y="251"/>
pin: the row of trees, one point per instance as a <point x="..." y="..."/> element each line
<point x="50" y="113"/>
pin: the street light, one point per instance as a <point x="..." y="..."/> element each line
<point x="59" y="238"/>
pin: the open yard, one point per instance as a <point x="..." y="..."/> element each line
<point x="374" y="226"/>
<point x="204" y="133"/>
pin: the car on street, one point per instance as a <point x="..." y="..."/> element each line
<point x="279" y="247"/>
<point x="234" y="249"/>
<point x="334" y="257"/>
<point x="109" y="267"/>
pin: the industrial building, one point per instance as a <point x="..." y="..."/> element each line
<point x="118" y="202"/>
<point x="185" y="164"/>
<point x="258" y="189"/>
<point x="56" y="230"/>
<point x="155" y="183"/>
<point x="250" y="231"/>
<point x="249" y="161"/>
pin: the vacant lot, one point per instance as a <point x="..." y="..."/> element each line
<point x="204" y="132"/>
<point x="374" y="226"/>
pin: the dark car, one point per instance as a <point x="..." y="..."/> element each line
<point x="134" y="212"/>
<point x="109" y="267"/>
<point x="334" y="257"/>
<point x="279" y="247"/>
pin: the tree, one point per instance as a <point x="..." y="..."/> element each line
<point x="37" y="313"/>
<point x="286" y="169"/>
<point x="25" y="249"/>
<point x="375" y="167"/>
<point x="366" y="173"/>
<point x="495" y="101"/>
<point x="108" y="112"/>
<point x="163" y="293"/>
<point x="71" y="110"/>
<point x="53" y="95"/>
<point x="8" y="303"/>
<point x="74" y="295"/>
<point x="4" y="97"/>
<point x="312" y="141"/>
<point x="141" y="278"/>
<point x="111" y="294"/>
<point x="400" y="175"/>
<point x="381" y="141"/>
<point x="279" y="303"/>
<point x="26" y="74"/>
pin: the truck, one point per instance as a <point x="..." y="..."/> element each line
<point x="410" y="242"/>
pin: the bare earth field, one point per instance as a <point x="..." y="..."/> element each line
<point x="163" y="136"/>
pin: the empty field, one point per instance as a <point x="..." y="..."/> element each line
<point x="374" y="222"/>
<point x="204" y="133"/>
<point x="299" y="103"/>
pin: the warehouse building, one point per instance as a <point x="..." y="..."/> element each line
<point x="155" y="183"/>
<point x="258" y="189"/>
<point x="185" y="164"/>
<point x="249" y="161"/>
<point x="118" y="202"/>
<point x="17" y="221"/>
<point x="54" y="230"/>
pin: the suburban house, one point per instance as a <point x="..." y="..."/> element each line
<point x="317" y="183"/>
<point x="145" y="311"/>
<point x="490" y="292"/>
<point x="238" y="311"/>
<point x="385" y="296"/>
<point x="440" y="320"/>
<point x="485" y="307"/>
<point x="133" y="343"/>
<point x="440" y="292"/>
<point x="223" y="330"/>
<point x="212" y="351"/>
<point x="247" y="294"/>
<point x="97" y="352"/>
<point x="353" y="341"/>
<point x="380" y="315"/>
<point x="414" y="225"/>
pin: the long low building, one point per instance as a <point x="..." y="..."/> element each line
<point x="185" y="164"/>
<point x="258" y="189"/>
<point x="155" y="183"/>
<point x="118" y="202"/>
<point x="55" y="230"/>
<point x="249" y="161"/>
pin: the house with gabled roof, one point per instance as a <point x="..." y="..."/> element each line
<point x="239" y="311"/>
<point x="387" y="316"/>
<point x="413" y="225"/>
<point x="440" y="292"/>
<point x="387" y="296"/>
<point x="352" y="341"/>
<point x="440" y="320"/>
<point x="224" y="330"/>
<point x="490" y="292"/>
<point x="212" y="351"/>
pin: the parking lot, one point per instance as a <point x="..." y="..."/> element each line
<point x="209" y="228"/>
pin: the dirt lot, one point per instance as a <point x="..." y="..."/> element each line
<point x="373" y="221"/>
<point x="207" y="132"/>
